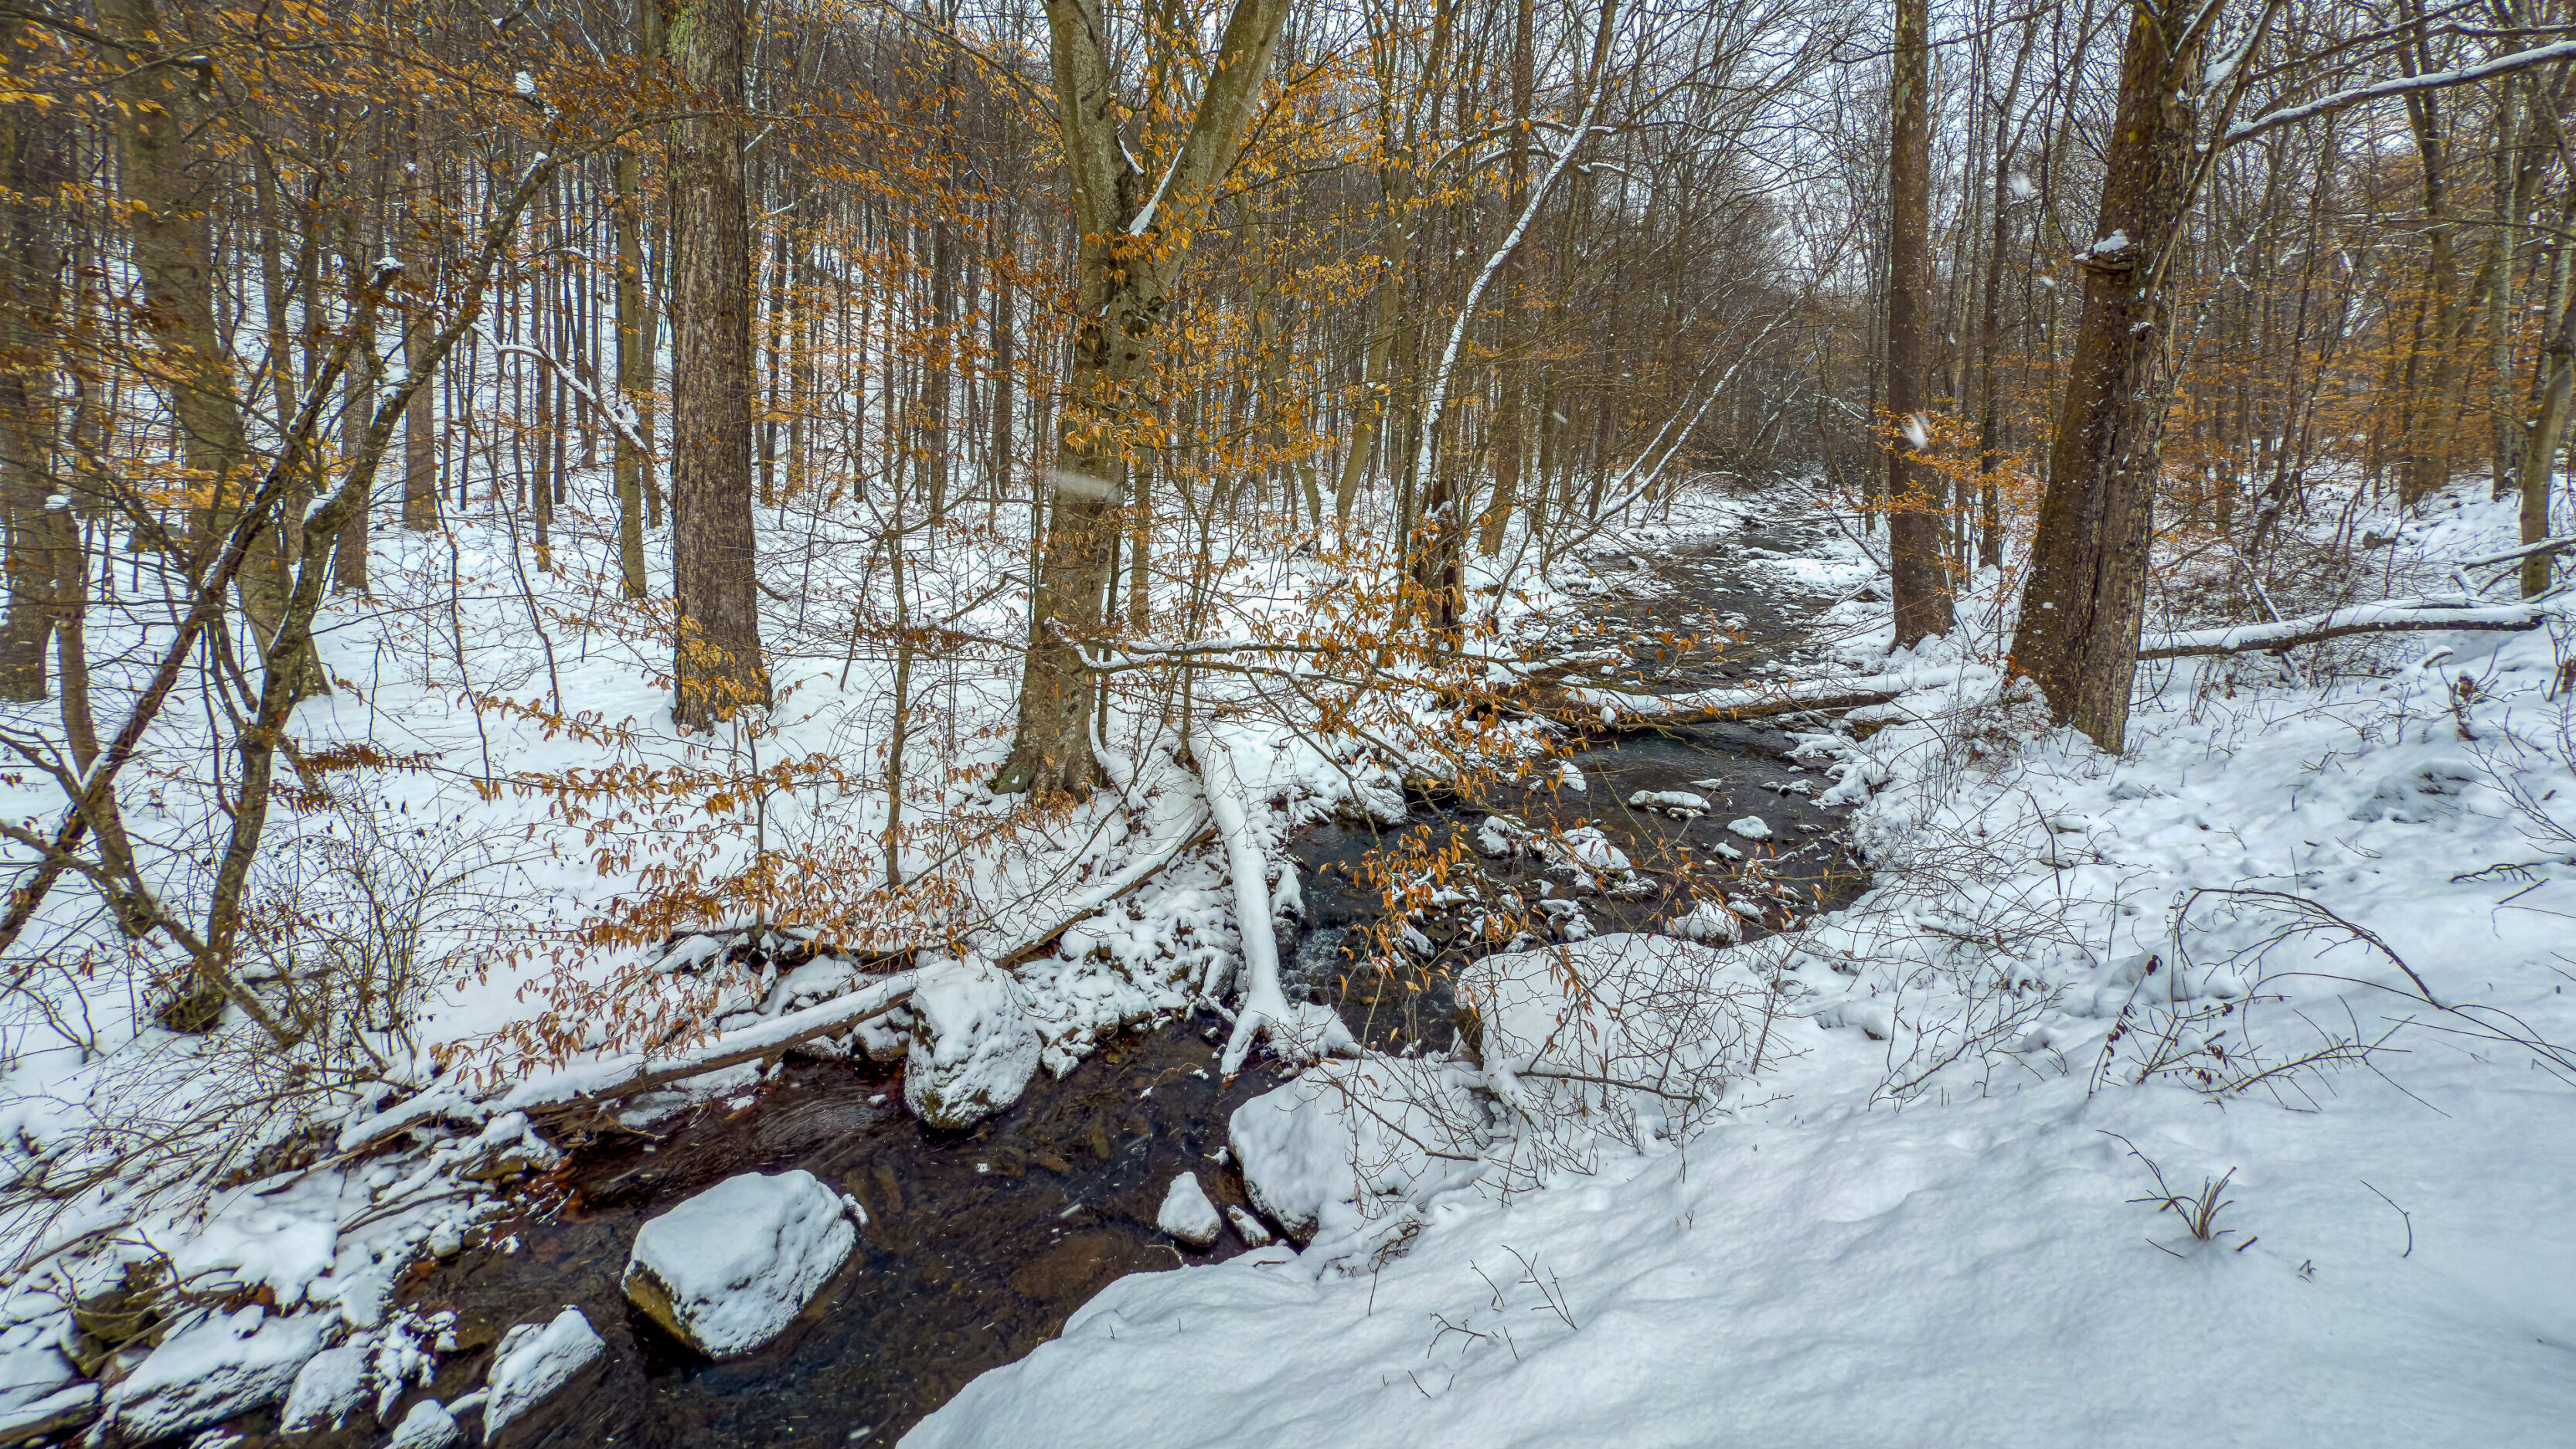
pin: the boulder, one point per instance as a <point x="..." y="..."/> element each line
<point x="973" y="1049"/>
<point x="427" y="1426"/>
<point x="220" y="1367"/>
<point x="330" y="1385"/>
<point x="535" y="1364"/>
<point x="728" y="1270"/>
<point x="1344" y="1139"/>
<point x="1187" y="1214"/>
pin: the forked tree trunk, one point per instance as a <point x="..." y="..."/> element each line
<point x="1128" y="258"/>
<point x="2077" y="635"/>
<point x="719" y="662"/>
<point x="1913" y="495"/>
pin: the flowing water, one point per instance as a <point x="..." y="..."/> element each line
<point x="979" y="1245"/>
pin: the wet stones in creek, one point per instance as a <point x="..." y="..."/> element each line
<point x="728" y="1270"/>
<point x="973" y="1048"/>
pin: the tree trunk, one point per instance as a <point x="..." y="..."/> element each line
<point x="719" y="662"/>
<point x="2548" y="426"/>
<point x="634" y="371"/>
<point x="1125" y="266"/>
<point x="420" y="423"/>
<point x="1913" y="494"/>
<point x="2077" y="634"/>
<point x="158" y="119"/>
<point x="44" y="555"/>
<point x="1989" y="321"/>
<point x="2438" y="396"/>
<point x="1509" y="411"/>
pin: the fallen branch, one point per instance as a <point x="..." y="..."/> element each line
<point x="2389" y="616"/>
<point x="2546" y="547"/>
<point x="1029" y="943"/>
<point x="1594" y="708"/>
<point x="1266" y="1008"/>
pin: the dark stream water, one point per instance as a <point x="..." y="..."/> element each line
<point x="980" y="1245"/>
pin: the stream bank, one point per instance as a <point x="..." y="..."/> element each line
<point x="978" y="1246"/>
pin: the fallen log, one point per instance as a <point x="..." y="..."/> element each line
<point x="1591" y="707"/>
<point x="592" y="1085"/>
<point x="2389" y="616"/>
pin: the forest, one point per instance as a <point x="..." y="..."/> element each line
<point x="787" y="676"/>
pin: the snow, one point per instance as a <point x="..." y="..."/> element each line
<point x="38" y="1385"/>
<point x="1679" y="804"/>
<point x="1187" y="1214"/>
<point x="729" y="1269"/>
<point x="1751" y="827"/>
<point x="973" y="1049"/>
<point x="427" y="1426"/>
<point x="1926" y="1205"/>
<point x="330" y="1384"/>
<point x="535" y="1361"/>
<point x="211" y="1371"/>
<point x="1332" y="1147"/>
<point x="1708" y="922"/>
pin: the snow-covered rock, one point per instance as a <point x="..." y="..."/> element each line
<point x="1751" y="827"/>
<point x="1710" y="924"/>
<point x="214" y="1370"/>
<point x="331" y="1383"/>
<point x="533" y="1363"/>
<point x="973" y="1048"/>
<point x="427" y="1426"/>
<point x="1344" y="1137"/>
<point x="1248" y="1228"/>
<point x="1187" y="1214"/>
<point x="1679" y="804"/>
<point x="729" y="1269"/>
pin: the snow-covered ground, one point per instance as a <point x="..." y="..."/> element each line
<point x="2303" y="957"/>
<point x="538" y="799"/>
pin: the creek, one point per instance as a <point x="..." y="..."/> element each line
<point x="979" y="1245"/>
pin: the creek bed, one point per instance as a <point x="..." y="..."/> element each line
<point x="980" y="1245"/>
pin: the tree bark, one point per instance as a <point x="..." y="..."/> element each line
<point x="719" y="662"/>
<point x="1915" y="574"/>
<point x="2077" y="634"/>
<point x="634" y="371"/>
<point x="44" y="553"/>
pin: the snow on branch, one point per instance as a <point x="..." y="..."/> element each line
<point x="1309" y="1030"/>
<point x="2389" y="616"/>
<point x="2327" y="105"/>
<point x="2548" y="546"/>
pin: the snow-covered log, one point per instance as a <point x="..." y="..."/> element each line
<point x="2388" y="616"/>
<point x="1311" y="1030"/>
<point x="1612" y="707"/>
